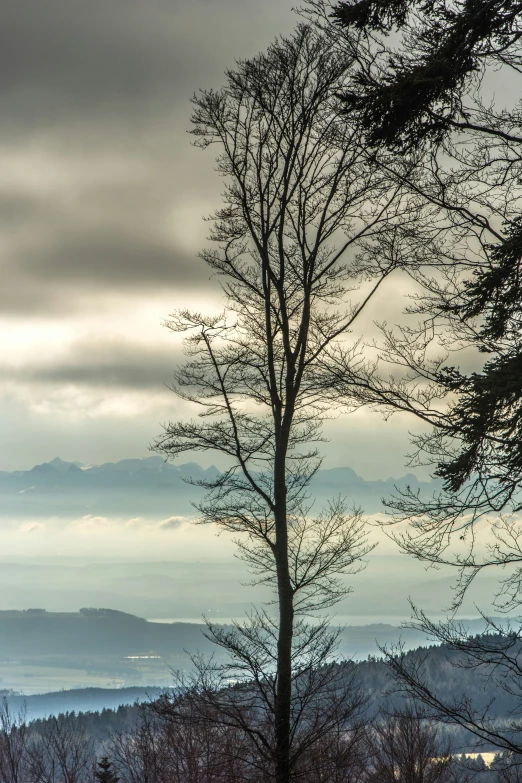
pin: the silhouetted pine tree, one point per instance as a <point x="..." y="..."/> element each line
<point x="105" y="772"/>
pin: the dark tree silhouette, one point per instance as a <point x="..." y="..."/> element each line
<point x="405" y="748"/>
<point x="418" y="91"/>
<point x="422" y="93"/>
<point x="13" y="742"/>
<point x="429" y="89"/>
<point x="296" y="246"/>
<point x="424" y="96"/>
<point x="105" y="772"/>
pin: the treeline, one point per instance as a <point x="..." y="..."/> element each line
<point x="148" y="744"/>
<point x="98" y="713"/>
<point x="181" y="738"/>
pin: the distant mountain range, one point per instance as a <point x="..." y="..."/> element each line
<point x="153" y="486"/>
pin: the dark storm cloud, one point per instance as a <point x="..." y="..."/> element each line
<point x="114" y="259"/>
<point x="102" y="363"/>
<point x="17" y="209"/>
<point x="60" y="252"/>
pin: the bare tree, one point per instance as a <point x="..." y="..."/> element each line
<point x="458" y="368"/>
<point x="138" y="754"/>
<point x="414" y="94"/>
<point x="406" y="749"/>
<point x="161" y="750"/>
<point x="508" y="769"/>
<point x="339" y="757"/>
<point x="328" y="710"/>
<point x="494" y="656"/>
<point x="205" y="750"/>
<point x="13" y="741"/>
<point x="295" y="246"/>
<point x="59" y="751"/>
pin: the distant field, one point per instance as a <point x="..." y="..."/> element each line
<point x="30" y="679"/>
<point x="48" y="651"/>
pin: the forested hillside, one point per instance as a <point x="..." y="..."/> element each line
<point x="441" y="665"/>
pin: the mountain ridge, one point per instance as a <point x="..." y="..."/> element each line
<point x="152" y="486"/>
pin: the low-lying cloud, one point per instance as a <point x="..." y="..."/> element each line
<point x="171" y="538"/>
<point x="172" y="523"/>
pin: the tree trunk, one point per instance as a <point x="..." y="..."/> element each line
<point x="286" y="629"/>
<point x="284" y="674"/>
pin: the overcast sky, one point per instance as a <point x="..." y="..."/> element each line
<point x="101" y="206"/>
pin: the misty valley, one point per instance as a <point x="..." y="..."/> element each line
<point x="42" y="651"/>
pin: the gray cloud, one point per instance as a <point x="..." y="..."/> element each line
<point x="108" y="259"/>
<point x="94" y="86"/>
<point x="19" y="209"/>
<point x="70" y="276"/>
<point x="102" y="363"/>
<point x="105" y="239"/>
<point x="111" y="258"/>
<point x="68" y="60"/>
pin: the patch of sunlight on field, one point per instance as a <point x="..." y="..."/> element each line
<point x="488" y="757"/>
